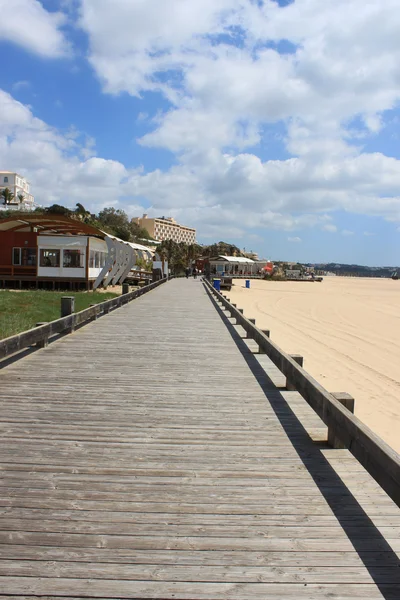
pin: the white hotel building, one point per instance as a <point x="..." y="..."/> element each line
<point x="166" y="228"/>
<point x="17" y="185"/>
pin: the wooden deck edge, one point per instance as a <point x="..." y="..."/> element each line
<point x="377" y="457"/>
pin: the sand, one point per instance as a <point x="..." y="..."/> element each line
<point x="347" y="329"/>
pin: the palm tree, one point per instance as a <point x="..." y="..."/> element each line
<point x="21" y="198"/>
<point x="7" y="195"/>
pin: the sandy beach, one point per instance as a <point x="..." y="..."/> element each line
<point x="347" y="329"/>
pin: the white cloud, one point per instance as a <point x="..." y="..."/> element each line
<point x="335" y="72"/>
<point x="19" y="85"/>
<point x="330" y="227"/>
<point x="206" y="190"/>
<point x="295" y="240"/>
<point x="369" y="233"/>
<point x="52" y="160"/>
<point x="27" y="24"/>
<point x="215" y="63"/>
<point x="347" y="232"/>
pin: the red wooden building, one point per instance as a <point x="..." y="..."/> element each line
<point x="52" y="251"/>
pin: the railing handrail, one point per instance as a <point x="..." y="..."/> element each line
<point x="377" y="457"/>
<point x="15" y="343"/>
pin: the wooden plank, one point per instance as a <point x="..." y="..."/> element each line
<point x="88" y="588"/>
<point x="203" y="557"/>
<point x="205" y="573"/>
<point x="202" y="530"/>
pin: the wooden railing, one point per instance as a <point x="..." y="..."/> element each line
<point x="15" y="270"/>
<point x="379" y="459"/>
<point x="40" y="335"/>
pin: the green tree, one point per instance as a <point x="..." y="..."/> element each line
<point x="57" y="209"/>
<point x="179" y="255"/>
<point x="115" y="221"/>
<point x="21" y="198"/>
<point x="223" y="248"/>
<point x="7" y="196"/>
<point x="139" y="234"/>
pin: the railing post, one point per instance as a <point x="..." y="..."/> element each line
<point x="299" y="360"/>
<point x="68" y="308"/>
<point x="248" y="334"/>
<point x="125" y="288"/>
<point x="96" y="314"/>
<point x="267" y="333"/>
<point x="348" y="402"/>
<point x="45" y="341"/>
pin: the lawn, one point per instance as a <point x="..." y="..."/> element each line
<point x="20" y="311"/>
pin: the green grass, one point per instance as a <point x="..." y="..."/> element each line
<point x="20" y="311"/>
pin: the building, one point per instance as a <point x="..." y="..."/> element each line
<point x="17" y="185"/>
<point x="57" y="251"/>
<point x="231" y="265"/>
<point x="166" y="228"/>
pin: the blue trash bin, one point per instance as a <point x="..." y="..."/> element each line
<point x="217" y="284"/>
<point x="247" y="283"/>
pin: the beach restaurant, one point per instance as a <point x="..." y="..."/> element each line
<point x="51" y="250"/>
<point x="232" y="265"/>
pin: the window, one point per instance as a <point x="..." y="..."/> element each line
<point x="91" y="259"/>
<point x="25" y="257"/>
<point x="97" y="260"/>
<point x="50" y="258"/>
<point x="5" y="179"/>
<point x="73" y="259"/>
<point x="16" y="256"/>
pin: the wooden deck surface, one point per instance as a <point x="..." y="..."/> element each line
<point x="151" y="455"/>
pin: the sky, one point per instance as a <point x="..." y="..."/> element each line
<point x="274" y="125"/>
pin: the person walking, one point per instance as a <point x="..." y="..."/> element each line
<point x="187" y="272"/>
<point x="194" y="273"/>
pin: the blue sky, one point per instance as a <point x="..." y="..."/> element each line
<point x="275" y="126"/>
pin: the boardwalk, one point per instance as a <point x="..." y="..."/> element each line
<point x="149" y="455"/>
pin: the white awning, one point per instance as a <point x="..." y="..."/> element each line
<point x="233" y="259"/>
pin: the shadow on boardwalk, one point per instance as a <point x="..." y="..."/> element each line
<point x="378" y="557"/>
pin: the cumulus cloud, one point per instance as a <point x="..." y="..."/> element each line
<point x="217" y="64"/>
<point x="347" y="232"/>
<point x="219" y="57"/>
<point x="239" y="190"/>
<point x="295" y="240"/>
<point x="52" y="161"/>
<point x="27" y="24"/>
